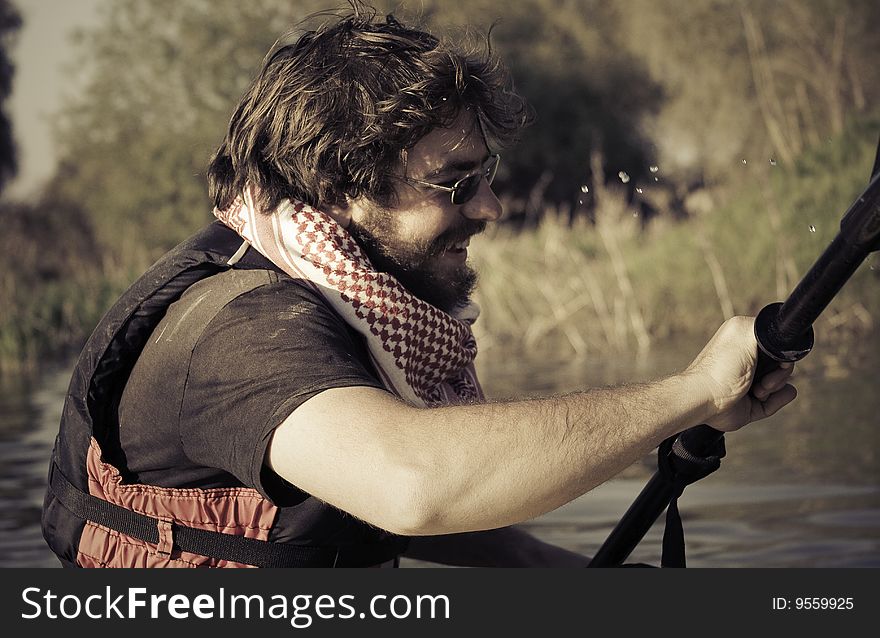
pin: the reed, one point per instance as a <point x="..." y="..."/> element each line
<point x="607" y="288"/>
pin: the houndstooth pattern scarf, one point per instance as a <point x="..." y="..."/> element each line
<point x="424" y="355"/>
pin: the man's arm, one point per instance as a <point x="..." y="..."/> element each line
<point x="504" y="547"/>
<point x="474" y="467"/>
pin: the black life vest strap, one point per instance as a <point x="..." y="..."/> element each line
<point x="238" y="549"/>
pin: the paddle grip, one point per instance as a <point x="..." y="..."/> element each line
<point x="774" y="348"/>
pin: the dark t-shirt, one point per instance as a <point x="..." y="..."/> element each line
<point x="232" y="358"/>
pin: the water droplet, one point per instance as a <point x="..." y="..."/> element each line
<point x="812" y="228"/>
<point x="443" y="98"/>
<point x="656" y="179"/>
<point x="639" y="191"/>
<point x="772" y="162"/>
<point x="744" y="162"/>
<point x="653" y="169"/>
<point x="580" y="201"/>
<point x="585" y="189"/>
<point x="623" y="177"/>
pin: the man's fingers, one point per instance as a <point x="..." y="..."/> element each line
<point x="777" y="400"/>
<point x="772" y="382"/>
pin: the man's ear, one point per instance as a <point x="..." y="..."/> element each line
<point x="341" y="211"/>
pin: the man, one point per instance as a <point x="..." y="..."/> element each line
<point x="295" y="386"/>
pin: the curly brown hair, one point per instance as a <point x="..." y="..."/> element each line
<point x="332" y="115"/>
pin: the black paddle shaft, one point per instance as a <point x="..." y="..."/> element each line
<point x="785" y="334"/>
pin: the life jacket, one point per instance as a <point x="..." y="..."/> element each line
<point x="95" y="516"/>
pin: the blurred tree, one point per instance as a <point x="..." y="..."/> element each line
<point x="588" y="90"/>
<point x="10" y="22"/>
<point x="813" y="64"/>
<point x="752" y="80"/>
<point x="696" y="51"/>
<point x="51" y="289"/>
<point x="162" y="79"/>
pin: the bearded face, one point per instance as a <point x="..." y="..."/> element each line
<point x="433" y="269"/>
<point x="422" y="240"/>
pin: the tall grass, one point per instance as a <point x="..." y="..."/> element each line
<point x="55" y="282"/>
<point x="610" y="287"/>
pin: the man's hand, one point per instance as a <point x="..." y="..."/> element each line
<point x="725" y="369"/>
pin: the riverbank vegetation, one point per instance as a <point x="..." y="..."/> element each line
<point x="573" y="286"/>
<point x="688" y="162"/>
<point x="618" y="284"/>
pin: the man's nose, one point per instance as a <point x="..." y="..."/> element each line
<point x="484" y="205"/>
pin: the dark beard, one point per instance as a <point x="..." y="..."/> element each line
<point x="411" y="263"/>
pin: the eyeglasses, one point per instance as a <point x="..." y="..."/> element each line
<point x="466" y="188"/>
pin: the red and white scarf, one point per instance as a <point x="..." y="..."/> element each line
<point x="423" y="355"/>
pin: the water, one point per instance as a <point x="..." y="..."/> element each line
<point x="29" y="416"/>
<point x="801" y="489"/>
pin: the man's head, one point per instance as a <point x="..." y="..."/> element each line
<point x="422" y="240"/>
<point x="351" y="117"/>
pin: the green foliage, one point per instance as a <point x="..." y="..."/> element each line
<point x="164" y="77"/>
<point x="555" y="288"/>
<point x="777" y="88"/>
<point x="588" y="90"/>
<point x="53" y="285"/>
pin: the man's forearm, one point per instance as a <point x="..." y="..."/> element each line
<point x="432" y="471"/>
<point x="521" y="459"/>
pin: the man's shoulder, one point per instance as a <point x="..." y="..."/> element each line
<point x="237" y="306"/>
<point x="264" y="309"/>
<point x="258" y="289"/>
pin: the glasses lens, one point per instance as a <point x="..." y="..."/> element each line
<point x="466" y="189"/>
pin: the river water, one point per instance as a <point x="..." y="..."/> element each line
<point x="801" y="489"/>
